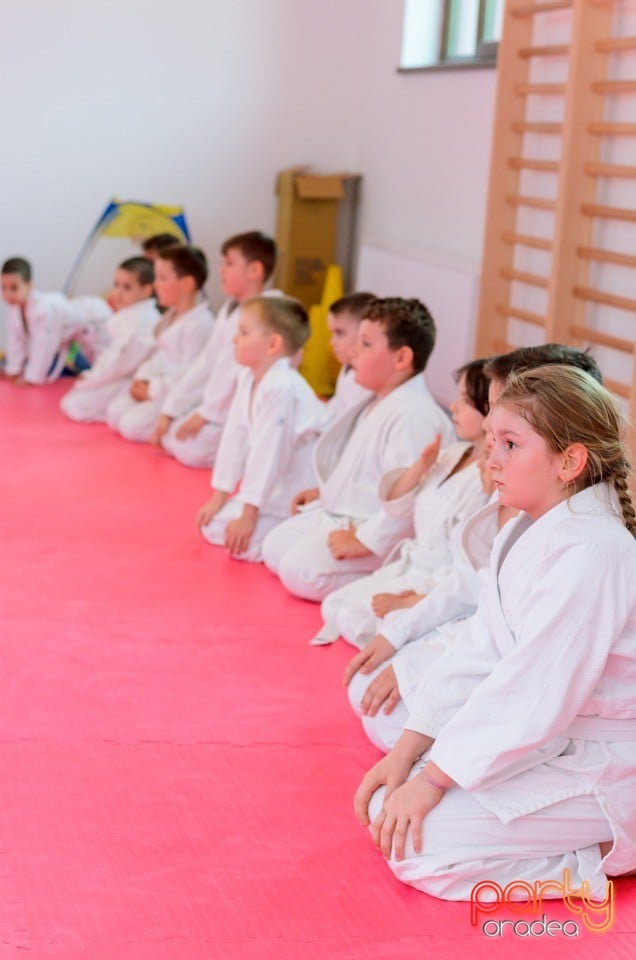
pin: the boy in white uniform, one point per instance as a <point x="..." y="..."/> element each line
<point x="41" y="326"/>
<point x="195" y="410"/>
<point x="340" y="533"/>
<point x="132" y="339"/>
<point x="269" y="435"/>
<point x="438" y="492"/>
<point x="343" y="321"/>
<point x="180" y="273"/>
<point x="527" y="726"/>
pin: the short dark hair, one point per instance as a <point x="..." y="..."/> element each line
<point x="187" y="261"/>
<point x="141" y="268"/>
<point x="18" y="266"/>
<point x="353" y="303"/>
<point x="406" y="323"/>
<point x="160" y="241"/>
<point x="477" y="384"/>
<point x="255" y="247"/>
<point x="545" y="354"/>
<point x="285" y="316"/>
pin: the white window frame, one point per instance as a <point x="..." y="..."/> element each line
<point x="426" y="35"/>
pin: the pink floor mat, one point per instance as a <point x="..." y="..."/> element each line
<point x="178" y="764"/>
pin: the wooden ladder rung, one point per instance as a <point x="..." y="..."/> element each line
<point x="537" y="203"/>
<point x="606" y="256"/>
<point x="609" y="170"/>
<point x="549" y="50"/>
<point x="614" y="44"/>
<point x="608" y="213"/>
<point x="620" y="389"/>
<point x="505" y="310"/>
<point x="612" y="129"/>
<point x="540" y="89"/>
<point x="524" y="240"/>
<point x="532" y="279"/>
<point x="532" y="9"/>
<point x="523" y="126"/>
<point x="543" y="166"/>
<point x="607" y="299"/>
<point x="602" y="339"/>
<point x="614" y="86"/>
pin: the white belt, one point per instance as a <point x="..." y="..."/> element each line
<point x="601" y="728"/>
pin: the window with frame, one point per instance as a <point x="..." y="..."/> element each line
<point x="450" y="33"/>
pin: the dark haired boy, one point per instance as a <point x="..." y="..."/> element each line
<point x="339" y="532"/>
<point x="41" y="326"/>
<point x="132" y="340"/>
<point x="180" y="273"/>
<point x="195" y="410"/>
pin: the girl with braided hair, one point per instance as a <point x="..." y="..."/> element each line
<point x="518" y="762"/>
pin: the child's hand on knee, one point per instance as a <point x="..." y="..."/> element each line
<point x="139" y="390"/>
<point x="191" y="427"/>
<point x="303" y="498"/>
<point x="390" y="772"/>
<point x="376" y="652"/>
<point x="238" y="534"/>
<point x="161" y="428"/>
<point x="383" y="689"/>
<point x="383" y="603"/>
<point x="211" y="508"/>
<point x="344" y="545"/>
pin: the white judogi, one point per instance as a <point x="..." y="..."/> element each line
<point x="347" y="394"/>
<point x="131" y="333"/>
<point x="437" y="507"/>
<point x="534" y="712"/>
<point x="38" y="345"/>
<point x="178" y="343"/>
<point x="207" y="389"/>
<point x="350" y="458"/>
<point x="266" y="446"/>
<point x="420" y="634"/>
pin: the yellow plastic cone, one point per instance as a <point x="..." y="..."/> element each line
<point x="319" y="367"/>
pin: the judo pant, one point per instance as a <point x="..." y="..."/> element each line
<point x="197" y="451"/>
<point x="90" y="404"/>
<point x="297" y="552"/>
<point x="348" y="610"/>
<point x="214" y="531"/>
<point x="464" y="844"/>
<point x="134" y="420"/>
<point x="410" y="664"/>
<point x="383" y="730"/>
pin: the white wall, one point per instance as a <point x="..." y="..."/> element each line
<point x="424" y="148"/>
<point x="197" y="102"/>
<point x="201" y="102"/>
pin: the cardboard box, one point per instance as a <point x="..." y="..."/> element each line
<point x="316" y="227"/>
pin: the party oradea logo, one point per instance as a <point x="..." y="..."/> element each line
<point x="527" y="900"/>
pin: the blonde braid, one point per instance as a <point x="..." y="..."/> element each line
<point x="619" y="480"/>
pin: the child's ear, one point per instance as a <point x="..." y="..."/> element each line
<point x="573" y="462"/>
<point x="275" y="344"/>
<point x="403" y="358"/>
<point x="255" y="271"/>
<point x="189" y="283"/>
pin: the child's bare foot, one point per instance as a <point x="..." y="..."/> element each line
<point x="383" y="603"/>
